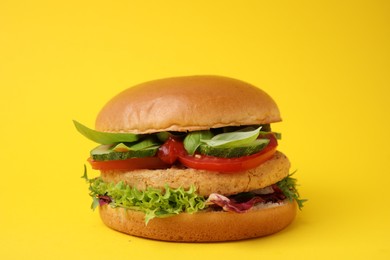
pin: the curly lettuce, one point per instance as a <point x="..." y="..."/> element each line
<point x="153" y="202"/>
<point x="289" y="189"/>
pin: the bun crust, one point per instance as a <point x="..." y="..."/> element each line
<point x="187" y="104"/>
<point x="206" y="182"/>
<point x="202" y="226"/>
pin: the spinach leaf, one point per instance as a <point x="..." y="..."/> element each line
<point x="104" y="137"/>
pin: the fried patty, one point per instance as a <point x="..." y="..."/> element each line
<point x="206" y="182"/>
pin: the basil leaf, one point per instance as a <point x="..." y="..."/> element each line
<point x="193" y="140"/>
<point x="163" y="136"/>
<point x="233" y="139"/>
<point x="104" y="137"/>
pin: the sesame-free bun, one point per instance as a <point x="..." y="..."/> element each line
<point x="208" y="226"/>
<point x="187" y="104"/>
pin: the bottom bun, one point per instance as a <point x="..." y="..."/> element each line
<point x="211" y="226"/>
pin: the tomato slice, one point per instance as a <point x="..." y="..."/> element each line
<point x="210" y="163"/>
<point x="129" y="164"/>
<point x="229" y="165"/>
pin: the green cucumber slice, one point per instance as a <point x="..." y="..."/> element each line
<point x="105" y="153"/>
<point x="233" y="152"/>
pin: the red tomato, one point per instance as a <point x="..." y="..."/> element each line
<point x="129" y="164"/>
<point x="211" y="163"/>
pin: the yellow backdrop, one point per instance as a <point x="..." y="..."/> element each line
<point x="326" y="63"/>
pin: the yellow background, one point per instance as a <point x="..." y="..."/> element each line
<point x="326" y="63"/>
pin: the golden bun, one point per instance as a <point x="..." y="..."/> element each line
<point x="187" y="104"/>
<point x="211" y="226"/>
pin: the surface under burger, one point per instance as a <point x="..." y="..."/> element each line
<point x="175" y="168"/>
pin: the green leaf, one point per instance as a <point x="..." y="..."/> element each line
<point x="95" y="203"/>
<point x="289" y="189"/>
<point x="85" y="175"/>
<point x="276" y="134"/>
<point x="153" y="202"/>
<point x="104" y="137"/>
<point x="233" y="139"/>
<point x="163" y="136"/>
<point x="193" y="140"/>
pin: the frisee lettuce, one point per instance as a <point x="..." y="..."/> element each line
<point x="289" y="189"/>
<point x="153" y="202"/>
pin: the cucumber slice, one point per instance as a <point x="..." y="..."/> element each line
<point x="105" y="153"/>
<point x="233" y="152"/>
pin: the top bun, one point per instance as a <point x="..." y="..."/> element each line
<point x="187" y="104"/>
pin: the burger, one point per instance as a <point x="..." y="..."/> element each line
<point x="191" y="159"/>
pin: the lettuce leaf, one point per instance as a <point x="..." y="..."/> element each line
<point x="153" y="202"/>
<point x="289" y="188"/>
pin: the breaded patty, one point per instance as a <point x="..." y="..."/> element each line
<point x="206" y="182"/>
